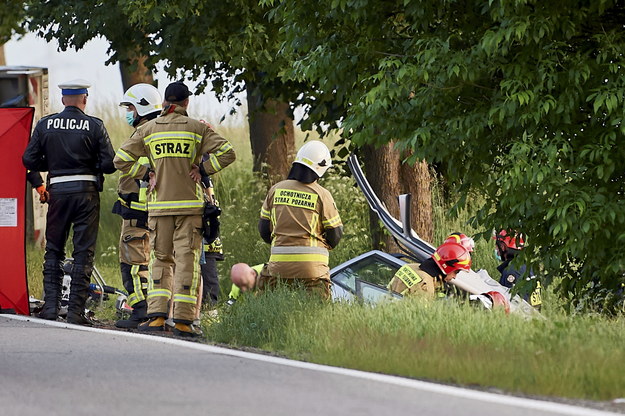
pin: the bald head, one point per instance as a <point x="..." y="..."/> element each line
<point x="243" y="276"/>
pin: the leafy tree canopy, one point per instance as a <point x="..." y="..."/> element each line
<point x="521" y="101"/>
<point x="10" y="18"/>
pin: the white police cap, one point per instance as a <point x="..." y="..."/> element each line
<point x="74" y="87"/>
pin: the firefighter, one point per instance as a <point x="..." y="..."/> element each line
<point x="174" y="143"/>
<point x="507" y="246"/>
<point x="300" y="220"/>
<point x="212" y="248"/>
<point x="75" y="149"/>
<point x="143" y="102"/>
<point x="429" y="277"/>
<point x="462" y="239"/>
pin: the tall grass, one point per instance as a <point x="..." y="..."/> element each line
<point x="442" y="341"/>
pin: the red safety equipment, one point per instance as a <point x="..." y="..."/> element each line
<point x="462" y="239"/>
<point x="499" y="301"/>
<point x="451" y="257"/>
<point x="511" y="240"/>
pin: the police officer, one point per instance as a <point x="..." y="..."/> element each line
<point x="143" y="102"/>
<point x="300" y="220"/>
<point x="75" y="149"/>
<point x="174" y="143"/>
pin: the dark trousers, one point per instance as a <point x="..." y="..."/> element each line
<point x="210" y="280"/>
<point x="72" y="205"/>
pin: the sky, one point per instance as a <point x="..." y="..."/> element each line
<point x="89" y="64"/>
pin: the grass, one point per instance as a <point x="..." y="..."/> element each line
<point x="568" y="356"/>
<point x="443" y="341"/>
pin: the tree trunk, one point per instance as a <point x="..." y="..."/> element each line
<point x="3" y="60"/>
<point x="389" y="177"/>
<point x="134" y="71"/>
<point x="272" y="134"/>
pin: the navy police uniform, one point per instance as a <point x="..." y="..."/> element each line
<point x="75" y="149"/>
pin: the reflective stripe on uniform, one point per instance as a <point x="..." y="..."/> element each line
<point x="159" y="292"/>
<point x="136" y="284"/>
<point x="299" y="250"/>
<point x="264" y="214"/>
<point x="299" y="254"/>
<point x="223" y="149"/>
<point x="298" y="257"/>
<point x="314" y="238"/>
<point x="138" y="206"/>
<point x="176" y="204"/>
<point x="123" y="155"/>
<point x="72" y="178"/>
<point x="164" y="135"/>
<point x="214" y="162"/>
<point x="185" y="298"/>
<point x="332" y="222"/>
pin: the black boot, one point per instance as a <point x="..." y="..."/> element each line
<point x="139" y="315"/>
<point x="78" y="294"/>
<point x="52" y="275"/>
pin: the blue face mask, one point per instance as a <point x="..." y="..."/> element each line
<point x="130" y="117"/>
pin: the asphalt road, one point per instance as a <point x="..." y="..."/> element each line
<point x="52" y="368"/>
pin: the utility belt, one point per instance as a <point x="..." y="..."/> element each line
<point x="70" y="182"/>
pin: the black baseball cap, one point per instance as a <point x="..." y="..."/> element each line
<point x="176" y="92"/>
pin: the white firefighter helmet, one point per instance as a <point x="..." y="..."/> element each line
<point x="144" y="97"/>
<point x="315" y="155"/>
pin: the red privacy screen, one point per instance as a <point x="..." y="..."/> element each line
<point x="15" y="125"/>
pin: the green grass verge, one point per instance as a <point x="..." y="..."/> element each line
<point x="562" y="356"/>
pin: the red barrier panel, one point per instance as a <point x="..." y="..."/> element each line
<point x="15" y="127"/>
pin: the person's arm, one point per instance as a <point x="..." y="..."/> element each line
<point x="331" y="220"/>
<point x="333" y="235"/>
<point x="264" y="229"/>
<point x="127" y="158"/>
<point x="105" y="150"/>
<point x="36" y="181"/>
<point x="220" y="152"/>
<point x="264" y="223"/>
<point x="33" y="158"/>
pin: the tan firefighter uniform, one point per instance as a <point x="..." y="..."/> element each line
<point x="299" y="214"/>
<point x="411" y="280"/>
<point x="174" y="142"/>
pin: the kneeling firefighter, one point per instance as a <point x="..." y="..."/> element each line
<point x="142" y="103"/>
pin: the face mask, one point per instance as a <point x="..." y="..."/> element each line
<point x="497" y="256"/>
<point x="130" y="117"/>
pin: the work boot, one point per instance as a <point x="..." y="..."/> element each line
<point x="78" y="294"/>
<point x="138" y="316"/>
<point x="186" y="331"/>
<point x="156" y="324"/>
<point x="51" y="295"/>
<point x="79" y="319"/>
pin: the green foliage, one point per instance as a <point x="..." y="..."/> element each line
<point x="520" y="102"/>
<point x="11" y="17"/>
